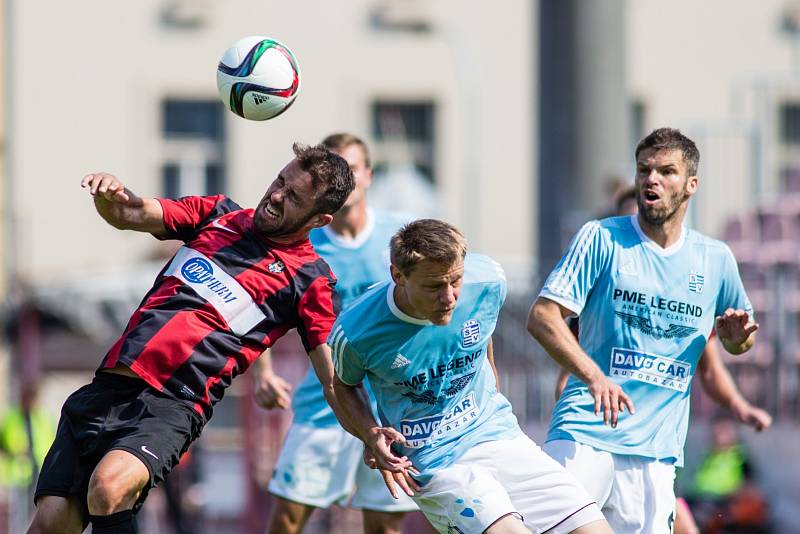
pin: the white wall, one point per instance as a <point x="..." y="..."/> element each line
<point x="89" y="76"/>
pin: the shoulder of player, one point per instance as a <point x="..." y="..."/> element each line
<point x="709" y="244"/>
<point x="365" y="314"/>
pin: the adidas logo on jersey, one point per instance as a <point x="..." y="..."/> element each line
<point x="400" y="361"/>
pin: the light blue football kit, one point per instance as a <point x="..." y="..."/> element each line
<point x="320" y="463"/>
<point x="645" y="315"/>
<point x="435" y="385"/>
<point x="432" y="383"/>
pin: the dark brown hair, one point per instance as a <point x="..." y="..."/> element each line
<point x="672" y="139"/>
<point x="329" y="172"/>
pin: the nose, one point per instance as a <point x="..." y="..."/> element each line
<point x="276" y="197"/>
<point x="448" y="296"/>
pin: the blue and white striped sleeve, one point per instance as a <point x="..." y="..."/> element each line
<point x="573" y="278"/>
<point x="347" y="363"/>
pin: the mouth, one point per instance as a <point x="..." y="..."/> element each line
<point x="650" y="197"/>
<point x="271" y="212"/>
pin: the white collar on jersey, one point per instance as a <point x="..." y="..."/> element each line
<point x="346" y="242"/>
<point x="400" y="314"/>
<point x="655" y="247"/>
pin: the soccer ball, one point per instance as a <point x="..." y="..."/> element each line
<point x="258" y="78"/>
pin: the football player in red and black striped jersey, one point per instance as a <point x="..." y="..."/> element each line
<point x="242" y="279"/>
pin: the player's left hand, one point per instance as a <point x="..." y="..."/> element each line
<point x="734" y="327"/>
<point x="380" y="442"/>
<point x="754" y="417"/>
<point x="402" y="479"/>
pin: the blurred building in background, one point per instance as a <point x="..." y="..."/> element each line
<point x="512" y="122"/>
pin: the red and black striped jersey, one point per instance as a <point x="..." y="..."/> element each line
<point x="224" y="297"/>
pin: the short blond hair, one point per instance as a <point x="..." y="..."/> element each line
<point x="427" y="239"/>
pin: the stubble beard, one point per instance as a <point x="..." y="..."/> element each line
<point x="659" y="216"/>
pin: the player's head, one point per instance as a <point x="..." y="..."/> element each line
<point x="666" y="175"/>
<point x="428" y="267"/>
<point x="305" y="195"/>
<point x="356" y="153"/>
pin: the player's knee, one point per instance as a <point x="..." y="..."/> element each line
<point x="109" y="493"/>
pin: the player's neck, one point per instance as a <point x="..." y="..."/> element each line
<point x="350" y="221"/>
<point x="666" y="234"/>
<point x="400" y="300"/>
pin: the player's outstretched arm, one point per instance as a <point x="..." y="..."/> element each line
<point x="719" y="385"/>
<point x="121" y="208"/>
<point x="736" y="331"/>
<point x="271" y="390"/>
<point x="546" y="324"/>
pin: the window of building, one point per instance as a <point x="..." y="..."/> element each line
<point x="193" y="147"/>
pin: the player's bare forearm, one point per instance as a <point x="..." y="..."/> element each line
<point x="121" y="208"/>
<point x="354" y="412"/>
<point x="718" y="384"/>
<point x="546" y="324"/>
<point x="715" y="378"/>
<point x="322" y="362"/>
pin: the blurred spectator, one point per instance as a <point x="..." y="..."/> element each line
<point x="26" y="433"/>
<point x="724" y="495"/>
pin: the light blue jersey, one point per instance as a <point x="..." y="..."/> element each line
<point x="433" y="383"/>
<point x="645" y="315"/>
<point x="358" y="264"/>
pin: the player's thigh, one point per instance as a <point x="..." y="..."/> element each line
<point x="643" y="498"/>
<point x="154" y="429"/>
<point x="57" y="515"/>
<point x="592" y="468"/>
<point x="464" y="497"/>
<point x="541" y="490"/>
<point x="509" y="524"/>
<point x="373" y="495"/>
<point x="316" y="466"/>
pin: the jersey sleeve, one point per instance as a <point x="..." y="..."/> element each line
<point x="183" y="217"/>
<point x="316" y="312"/>
<point x="347" y="362"/>
<point x="570" y="283"/>
<point x="732" y="293"/>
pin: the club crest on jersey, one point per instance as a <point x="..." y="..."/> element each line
<point x="470" y="332"/>
<point x="696" y="282"/>
<point x="276" y="267"/>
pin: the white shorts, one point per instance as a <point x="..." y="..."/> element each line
<point x="636" y="494"/>
<point x="323" y="466"/>
<point x="498" y="478"/>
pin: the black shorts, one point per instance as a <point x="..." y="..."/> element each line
<point x="116" y="412"/>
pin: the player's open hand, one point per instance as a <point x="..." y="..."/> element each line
<point x="272" y="391"/>
<point x="754" y="417"/>
<point x="106" y="186"/>
<point x="393" y="480"/>
<point x="734" y="327"/>
<point x="610" y="398"/>
<point x="380" y="444"/>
